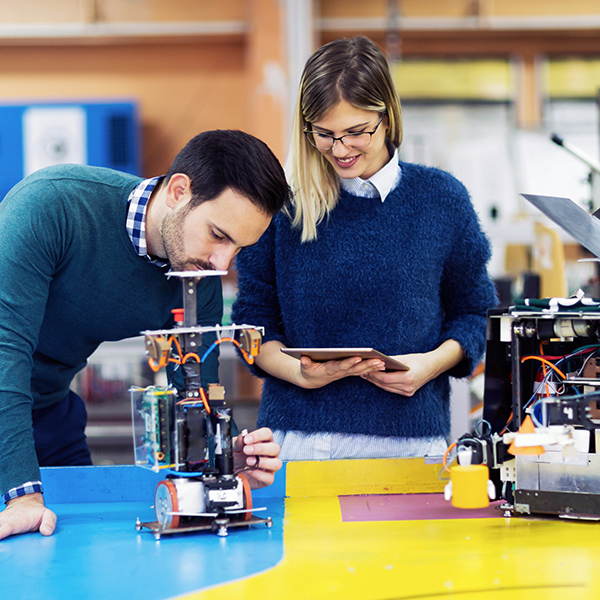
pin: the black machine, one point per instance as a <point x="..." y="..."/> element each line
<point x="541" y="414"/>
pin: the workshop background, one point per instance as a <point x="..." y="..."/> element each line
<point x="484" y="85"/>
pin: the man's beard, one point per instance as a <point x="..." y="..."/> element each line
<point x="171" y="232"/>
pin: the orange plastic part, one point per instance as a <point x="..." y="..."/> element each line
<point x="526" y="427"/>
<point x="247" y="496"/>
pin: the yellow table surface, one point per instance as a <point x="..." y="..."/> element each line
<point x="471" y="558"/>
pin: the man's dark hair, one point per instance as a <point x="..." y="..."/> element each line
<point x="221" y="159"/>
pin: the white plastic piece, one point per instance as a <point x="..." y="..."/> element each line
<point x="190" y="494"/>
<point x="543" y="436"/>
<point x="465" y="456"/>
<point x="198" y="273"/>
<point x="508" y="470"/>
<point x="448" y="491"/>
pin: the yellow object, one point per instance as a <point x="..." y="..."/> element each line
<point x="573" y="77"/>
<point x="517" y="259"/>
<point x="469" y="486"/>
<point x="549" y="262"/>
<point x="487" y="79"/>
<point x="369" y="476"/>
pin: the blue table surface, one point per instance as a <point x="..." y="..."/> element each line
<point x="97" y="553"/>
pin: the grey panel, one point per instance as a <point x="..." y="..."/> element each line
<point x="584" y="227"/>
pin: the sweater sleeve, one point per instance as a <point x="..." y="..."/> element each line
<point x="257" y="300"/>
<point x="467" y="291"/>
<point x="33" y="234"/>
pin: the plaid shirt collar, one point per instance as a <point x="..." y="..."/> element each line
<point x="136" y="218"/>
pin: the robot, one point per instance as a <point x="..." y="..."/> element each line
<point x="186" y="431"/>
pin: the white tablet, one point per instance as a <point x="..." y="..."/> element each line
<point x="325" y="354"/>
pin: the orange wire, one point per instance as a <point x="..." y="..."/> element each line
<point x="182" y="359"/>
<point x="163" y="359"/>
<point x="507" y="422"/>
<point x="476" y="408"/>
<point x="188" y="355"/>
<point x="544" y="370"/>
<point x="479" y="369"/>
<point x="547" y="362"/>
<point x="205" y="400"/>
<point x="191" y="401"/>
<point x="249" y="359"/>
<point x="153" y="365"/>
<point x="446" y="456"/>
<point x="174" y="340"/>
<point x="157" y="367"/>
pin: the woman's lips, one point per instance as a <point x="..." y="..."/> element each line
<point x="345" y="163"/>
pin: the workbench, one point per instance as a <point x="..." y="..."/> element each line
<point x="367" y="529"/>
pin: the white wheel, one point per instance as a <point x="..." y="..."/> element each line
<point x="166" y="502"/>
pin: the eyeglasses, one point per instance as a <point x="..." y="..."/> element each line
<point x="357" y="141"/>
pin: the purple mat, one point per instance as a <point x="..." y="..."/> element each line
<point x="408" y="507"/>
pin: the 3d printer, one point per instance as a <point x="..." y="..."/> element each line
<point x="541" y="404"/>
<point x="540" y="436"/>
<point x="186" y="431"/>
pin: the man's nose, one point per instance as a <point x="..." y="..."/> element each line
<point x="222" y="258"/>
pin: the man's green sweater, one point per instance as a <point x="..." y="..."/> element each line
<point x="72" y="279"/>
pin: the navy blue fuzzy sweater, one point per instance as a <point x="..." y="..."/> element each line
<point x="401" y="276"/>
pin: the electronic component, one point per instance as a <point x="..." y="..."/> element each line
<point x="250" y="341"/>
<point x="186" y="431"/>
<point x="540" y="411"/>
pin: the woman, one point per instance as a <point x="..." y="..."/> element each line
<point x="373" y="253"/>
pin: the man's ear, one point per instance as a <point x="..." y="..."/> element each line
<point x="178" y="190"/>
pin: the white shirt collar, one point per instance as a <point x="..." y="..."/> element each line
<point x="378" y="185"/>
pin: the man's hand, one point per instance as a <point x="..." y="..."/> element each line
<point x="256" y="454"/>
<point x="26" y="513"/>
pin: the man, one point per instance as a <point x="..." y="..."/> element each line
<point x="84" y="252"/>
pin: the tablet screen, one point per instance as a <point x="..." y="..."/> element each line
<point x="325" y="354"/>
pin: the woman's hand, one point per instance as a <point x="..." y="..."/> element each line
<point x="422" y="369"/>
<point x="404" y="382"/>
<point x="317" y="374"/>
<point x="256" y="455"/>
<point x="309" y="374"/>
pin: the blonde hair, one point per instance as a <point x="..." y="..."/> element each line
<point x="350" y="69"/>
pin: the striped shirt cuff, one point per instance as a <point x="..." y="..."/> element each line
<point x="31" y="487"/>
